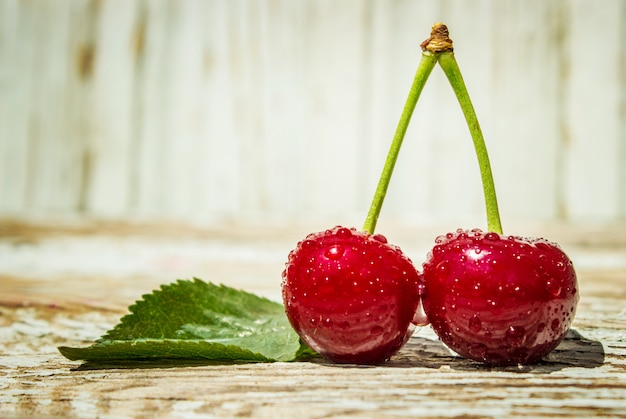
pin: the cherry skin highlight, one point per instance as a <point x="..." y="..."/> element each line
<point x="501" y="300"/>
<point x="351" y="296"/>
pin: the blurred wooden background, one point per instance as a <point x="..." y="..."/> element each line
<point x="283" y="110"/>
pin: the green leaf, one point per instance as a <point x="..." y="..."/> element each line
<point x="198" y="320"/>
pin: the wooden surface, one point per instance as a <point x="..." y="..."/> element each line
<point x="281" y="108"/>
<point x="66" y="285"/>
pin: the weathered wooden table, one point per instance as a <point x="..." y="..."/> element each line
<point x="66" y="284"/>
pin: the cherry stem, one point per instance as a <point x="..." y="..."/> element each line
<point x="425" y="67"/>
<point x="453" y="73"/>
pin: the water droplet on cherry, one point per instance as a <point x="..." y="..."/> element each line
<point x="515" y="335"/>
<point x="335" y="252"/>
<point x="343" y="233"/>
<point x="555" y="324"/>
<point x="475" y="324"/>
<point x="437" y="250"/>
<point x="419" y="318"/>
<point x="492" y="236"/>
<point x="553" y="287"/>
<point x="380" y="238"/>
<point x="443" y="268"/>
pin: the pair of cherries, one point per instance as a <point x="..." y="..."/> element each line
<point x="502" y="300"/>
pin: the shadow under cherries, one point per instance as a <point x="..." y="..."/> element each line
<point x="574" y="351"/>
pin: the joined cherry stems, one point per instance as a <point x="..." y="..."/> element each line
<point x="438" y="49"/>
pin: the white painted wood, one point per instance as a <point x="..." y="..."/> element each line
<point x="523" y="125"/>
<point x="110" y="175"/>
<point x="594" y="107"/>
<point x="15" y="92"/>
<point x="283" y="110"/>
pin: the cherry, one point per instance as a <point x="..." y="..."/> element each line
<point x="351" y="296"/>
<point x="502" y="300"/>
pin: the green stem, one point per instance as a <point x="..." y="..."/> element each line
<point x="451" y="69"/>
<point x="426" y="65"/>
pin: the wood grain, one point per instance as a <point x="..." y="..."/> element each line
<point x="284" y="110"/>
<point x="67" y="285"/>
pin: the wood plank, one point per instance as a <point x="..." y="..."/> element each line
<point x="112" y="142"/>
<point x="78" y="118"/>
<point x="284" y="110"/>
<point x="523" y="122"/>
<point x="594" y="93"/>
<point x="67" y="283"/>
<point x="13" y="108"/>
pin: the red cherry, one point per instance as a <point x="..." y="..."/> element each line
<point x="351" y="296"/>
<point x="497" y="299"/>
